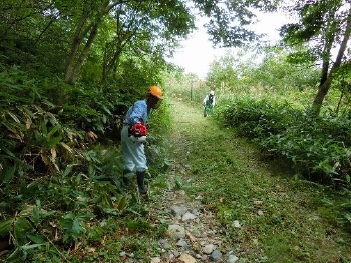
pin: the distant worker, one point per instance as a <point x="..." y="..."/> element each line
<point x="133" y="135"/>
<point x="209" y="102"/>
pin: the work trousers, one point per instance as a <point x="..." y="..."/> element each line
<point x="208" y="109"/>
<point x="132" y="152"/>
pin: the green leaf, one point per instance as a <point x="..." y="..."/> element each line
<point x="36" y="215"/>
<point x="5" y="227"/>
<point x="107" y="110"/>
<point x="53" y="142"/>
<point x="8" y="152"/>
<point x="44" y="128"/>
<point x="36" y="238"/>
<point x="13" y="116"/>
<point x="52" y="131"/>
<point x="20" y="228"/>
<point x="122" y="203"/>
<point x="8" y="174"/>
<point x="76" y="227"/>
<point x="28" y="247"/>
<point x="67" y="170"/>
<point x="106" y="200"/>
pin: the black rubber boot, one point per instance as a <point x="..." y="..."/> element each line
<point x="140" y="182"/>
<point x="126" y="177"/>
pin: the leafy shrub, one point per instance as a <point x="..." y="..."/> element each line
<point x="157" y="144"/>
<point x="257" y="118"/>
<point x="92" y="108"/>
<point x="317" y="146"/>
<point x="50" y="156"/>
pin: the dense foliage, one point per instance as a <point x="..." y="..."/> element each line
<point x="318" y="148"/>
<point x="69" y="71"/>
<point x="61" y="165"/>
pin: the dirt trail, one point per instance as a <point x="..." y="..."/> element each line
<point x="193" y="235"/>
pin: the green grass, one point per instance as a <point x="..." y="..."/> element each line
<point x="283" y="219"/>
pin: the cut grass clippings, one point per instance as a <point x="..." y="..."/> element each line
<point x="281" y="219"/>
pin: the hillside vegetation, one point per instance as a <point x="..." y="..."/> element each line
<point x="69" y="70"/>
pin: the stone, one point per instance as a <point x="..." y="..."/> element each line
<point x="182" y="243"/>
<point x="188" y="216"/>
<point x="236" y="224"/>
<point x="178" y="210"/>
<point x="232" y="259"/>
<point x="208" y="249"/>
<point x="155" y="260"/>
<point x="163" y="243"/>
<point x="176" y="231"/>
<point x="186" y="258"/>
<point x="216" y="255"/>
<point x="190" y="236"/>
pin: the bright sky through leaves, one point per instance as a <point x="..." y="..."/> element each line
<point x="197" y="53"/>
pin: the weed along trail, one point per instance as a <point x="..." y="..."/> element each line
<point x="223" y="203"/>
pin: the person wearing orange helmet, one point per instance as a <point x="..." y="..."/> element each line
<point x="134" y="132"/>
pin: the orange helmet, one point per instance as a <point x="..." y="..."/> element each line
<point x="155" y="91"/>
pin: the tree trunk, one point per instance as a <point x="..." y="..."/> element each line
<point x="112" y="53"/>
<point x="322" y="92"/>
<point x="326" y="62"/>
<point x="340" y="99"/>
<point x="83" y="54"/>
<point x="325" y="86"/>
<point x="77" y="39"/>
<point x="75" y="60"/>
<point x="116" y="47"/>
<point x="104" y="67"/>
<point x="109" y="65"/>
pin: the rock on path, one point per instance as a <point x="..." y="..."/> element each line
<point x="192" y="234"/>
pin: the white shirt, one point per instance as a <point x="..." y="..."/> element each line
<point x="207" y="98"/>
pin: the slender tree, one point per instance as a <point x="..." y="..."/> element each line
<point x="63" y="33"/>
<point x="226" y="27"/>
<point x="145" y="28"/>
<point x="85" y="31"/>
<point x="326" y="83"/>
<point x="324" y="25"/>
